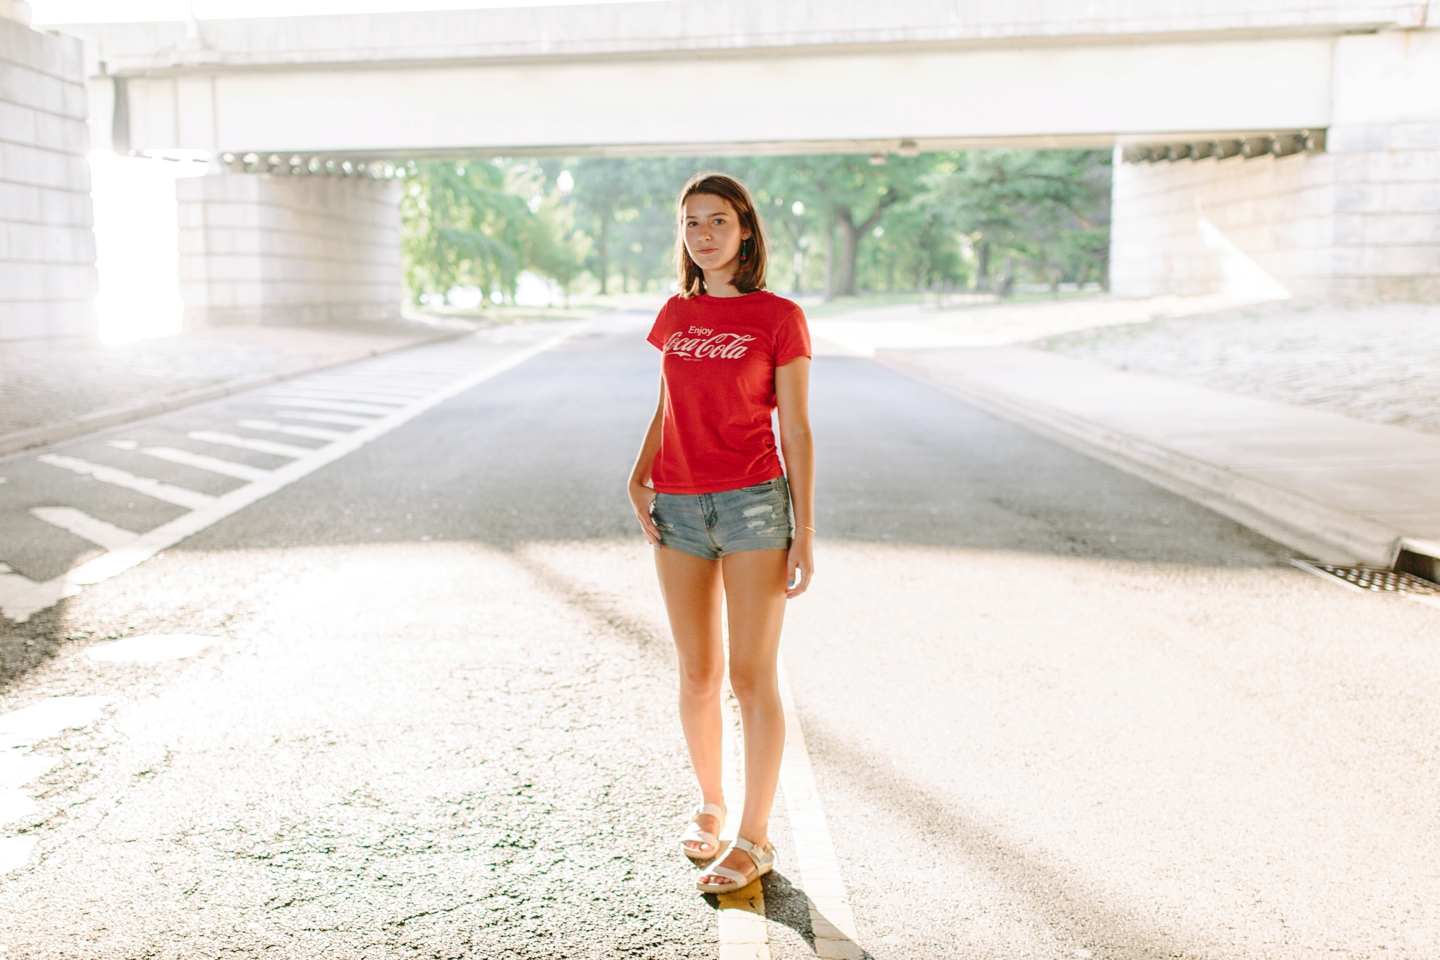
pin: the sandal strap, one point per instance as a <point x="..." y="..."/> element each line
<point x="728" y="874"/>
<point x="693" y="832"/>
<point x="758" y="855"/>
<point x="712" y="810"/>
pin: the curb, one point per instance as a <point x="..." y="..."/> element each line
<point x="22" y="440"/>
<point x="1312" y="529"/>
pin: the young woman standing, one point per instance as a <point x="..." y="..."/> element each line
<point x="712" y="498"/>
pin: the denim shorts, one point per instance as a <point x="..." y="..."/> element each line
<point x="710" y="525"/>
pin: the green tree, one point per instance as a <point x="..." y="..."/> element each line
<point x="1048" y="208"/>
<point x="481" y="223"/>
<point x="624" y="206"/>
<point x="851" y="195"/>
<point x="462" y="224"/>
<point x="557" y="248"/>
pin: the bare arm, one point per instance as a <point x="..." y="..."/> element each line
<point x="792" y="400"/>
<point x="642" y="495"/>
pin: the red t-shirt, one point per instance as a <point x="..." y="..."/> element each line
<point x="719" y="356"/>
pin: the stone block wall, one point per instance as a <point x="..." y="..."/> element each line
<point x="287" y="250"/>
<point x="47" y="244"/>
<point x="1360" y="220"/>
<point x="1259" y="228"/>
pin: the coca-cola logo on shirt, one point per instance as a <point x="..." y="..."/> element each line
<point x="703" y="343"/>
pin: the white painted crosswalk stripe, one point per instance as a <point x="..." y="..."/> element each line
<point x="340" y="418"/>
<point x="315" y="433"/>
<point x="344" y="406"/>
<point x="48" y="718"/>
<point x="21" y="597"/>
<point x="83" y="525"/>
<point x="247" y="443"/>
<point x="359" y="391"/>
<point x="19" y="730"/>
<point x="391" y="388"/>
<point x="15" y="805"/>
<point x="355" y="395"/>
<point x="200" y="461"/>
<point x="180" y="496"/>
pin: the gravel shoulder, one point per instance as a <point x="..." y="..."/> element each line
<point x="1377" y="362"/>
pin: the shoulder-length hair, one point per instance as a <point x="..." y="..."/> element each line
<point x="749" y="275"/>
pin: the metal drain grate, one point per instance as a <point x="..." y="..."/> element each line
<point x="1369" y="578"/>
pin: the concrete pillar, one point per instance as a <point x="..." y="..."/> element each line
<point x="286" y="250"/>
<point x="1360" y="220"/>
<point x="47" y="244"/>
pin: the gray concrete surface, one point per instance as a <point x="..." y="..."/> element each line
<point x="1331" y="487"/>
<point x="1053" y="711"/>
<point x="1371" y="361"/>
<point x="49" y="385"/>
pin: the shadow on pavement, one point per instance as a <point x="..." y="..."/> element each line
<point x="25" y="646"/>
<point x="1071" y="910"/>
<point x="541" y="454"/>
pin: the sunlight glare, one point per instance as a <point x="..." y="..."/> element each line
<point x="137" y="243"/>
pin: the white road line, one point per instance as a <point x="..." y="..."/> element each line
<point x="327" y="418"/>
<point x="743" y="933"/>
<point x="408" y="388"/>
<point x="151" y="648"/>
<point x="24" y="728"/>
<point x="18" y="768"/>
<point x="15" y="805"/>
<point x="395" y="385"/>
<point x="83" y="525"/>
<point x="15" y="852"/>
<point x="246" y="443"/>
<point x="180" y="496"/>
<point x="831" y="919"/>
<point x="362" y="392"/>
<point x="21" y="597"/>
<point x="49" y="718"/>
<point x="315" y="433"/>
<point x="227" y="468"/>
<point x="347" y="395"/>
<point x="344" y="406"/>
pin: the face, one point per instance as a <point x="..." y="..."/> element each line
<point x="712" y="231"/>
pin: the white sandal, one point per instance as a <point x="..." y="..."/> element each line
<point x="762" y="857"/>
<point x="693" y="833"/>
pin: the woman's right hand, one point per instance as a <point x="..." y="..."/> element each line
<point x="642" y="498"/>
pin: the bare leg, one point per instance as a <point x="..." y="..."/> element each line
<point x="755" y="601"/>
<point x="692" y="591"/>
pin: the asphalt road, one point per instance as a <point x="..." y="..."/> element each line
<point x="1052" y="711"/>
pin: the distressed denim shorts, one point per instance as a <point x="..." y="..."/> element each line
<point x="710" y="525"/>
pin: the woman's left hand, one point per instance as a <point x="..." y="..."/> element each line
<point x="800" y="564"/>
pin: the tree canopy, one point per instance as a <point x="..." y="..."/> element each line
<point x="836" y="223"/>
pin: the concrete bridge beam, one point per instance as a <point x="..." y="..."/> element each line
<point x="1360" y="220"/>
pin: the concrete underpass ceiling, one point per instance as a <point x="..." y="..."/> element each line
<point x="885" y="98"/>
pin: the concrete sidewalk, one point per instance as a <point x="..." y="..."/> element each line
<point x="51" y="390"/>
<point x="1333" y="488"/>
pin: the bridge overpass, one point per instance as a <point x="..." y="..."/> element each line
<point x="1274" y="147"/>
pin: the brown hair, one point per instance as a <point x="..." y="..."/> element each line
<point x="749" y="275"/>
